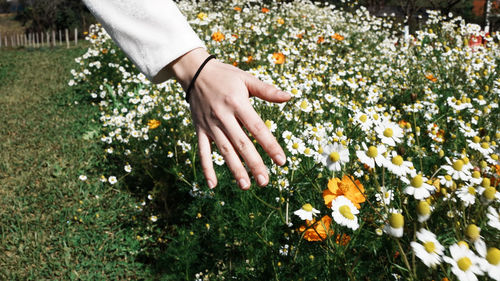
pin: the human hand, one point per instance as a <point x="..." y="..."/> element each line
<point x="220" y="106"/>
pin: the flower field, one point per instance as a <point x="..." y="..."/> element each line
<point x="391" y="139"/>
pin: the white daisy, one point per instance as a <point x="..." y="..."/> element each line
<point x="389" y="133"/>
<point x="127" y="168"/>
<point x="372" y="155"/>
<point x="82" y="177"/>
<point x="475" y="178"/>
<point x="457" y="169"/>
<point x="467" y="194"/>
<point x="296" y="146"/>
<point x="395" y="225"/>
<point x="336" y="155"/>
<point x="397" y="165"/>
<point x="430" y="251"/>
<point x="446" y="180"/>
<point x="417" y="186"/>
<point x="385" y="196"/>
<point x="306" y="212"/>
<point x="363" y="121"/>
<point x="112" y="180"/>
<point x="465" y="264"/>
<point x="344" y="212"/>
<point x="491" y="263"/>
<point x="424" y="211"/>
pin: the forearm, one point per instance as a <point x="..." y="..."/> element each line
<point x="152" y="33"/>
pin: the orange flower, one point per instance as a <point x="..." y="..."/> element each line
<point x="338" y="37"/>
<point x="347" y="187"/>
<point x="279" y="58"/>
<point x="280" y="21"/>
<point x="218" y="36"/>
<point x="265" y="10"/>
<point x="342" y="239"/>
<point x="431" y="77"/>
<point x="104" y="51"/>
<point x="237" y="9"/>
<point x="321" y="39"/>
<point x="249" y="59"/>
<point x="300" y="35"/>
<point x="317" y="230"/>
<point x="153" y="124"/>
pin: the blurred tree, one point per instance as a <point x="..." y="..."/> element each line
<point x="42" y="15"/>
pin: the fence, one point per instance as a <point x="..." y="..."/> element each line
<point x="39" y="39"/>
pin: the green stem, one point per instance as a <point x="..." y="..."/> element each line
<point x="405" y="259"/>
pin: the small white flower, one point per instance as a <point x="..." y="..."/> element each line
<point x="430" y="251"/>
<point x="306" y="212"/>
<point x="153" y="218"/>
<point x="336" y="155"/>
<point x="344" y="212"/>
<point x="465" y="264"/>
<point x="372" y="155"/>
<point x="417" y="186"/>
<point x="112" y="180"/>
<point x="82" y="177"/>
<point x="128" y="168"/>
<point x="389" y="132"/>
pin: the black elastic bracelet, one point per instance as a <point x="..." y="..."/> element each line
<point x="191" y="85"/>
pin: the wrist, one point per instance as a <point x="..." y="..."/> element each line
<point x="185" y="67"/>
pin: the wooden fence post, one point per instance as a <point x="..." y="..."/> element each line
<point x="76" y="36"/>
<point x="37" y="39"/>
<point x="6" y="42"/>
<point x="0" y="39"/>
<point x="18" y="40"/>
<point x="48" y="39"/>
<point x="41" y="39"/>
<point x="53" y="38"/>
<point x="67" y="37"/>
<point x="26" y="43"/>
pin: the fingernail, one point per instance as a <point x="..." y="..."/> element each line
<point x="261" y="180"/>
<point x="243" y="184"/>
<point x="280" y="159"/>
<point x="210" y="184"/>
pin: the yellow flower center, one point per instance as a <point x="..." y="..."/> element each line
<point x="476" y="174"/>
<point x="486" y="183"/>
<point x="423" y="208"/>
<point x="485" y="145"/>
<point x="396" y="220"/>
<point x="458" y="165"/>
<point x="202" y="16"/>
<point x="339" y="134"/>
<point x="307" y="207"/>
<point x="387" y="194"/>
<point x="295" y="145"/>
<point x="372" y="152"/>
<point x="476" y="139"/>
<point x="363" y="118"/>
<point x="307" y="151"/>
<point x="466" y="160"/>
<point x="429" y="247"/>
<point x="464" y="263"/>
<point x="334" y="156"/>
<point x="447" y="177"/>
<point x="304" y="104"/>
<point x="417" y="181"/>
<point x="489" y="193"/>
<point x="493" y="256"/>
<point x="472" y="190"/>
<point x="346" y="212"/>
<point x="268" y="124"/>
<point x="388" y="132"/>
<point x="397" y="160"/>
<point x="472" y="231"/>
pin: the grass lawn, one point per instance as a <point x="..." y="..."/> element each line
<point x="53" y="225"/>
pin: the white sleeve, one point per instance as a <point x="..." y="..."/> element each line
<point x="152" y="33"/>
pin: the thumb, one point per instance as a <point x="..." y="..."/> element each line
<point x="265" y="91"/>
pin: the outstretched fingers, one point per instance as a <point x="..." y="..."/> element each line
<point x="207" y="165"/>
<point x="265" y="91"/>
<point x="252" y="121"/>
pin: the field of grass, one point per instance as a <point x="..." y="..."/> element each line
<point x="53" y="225"/>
